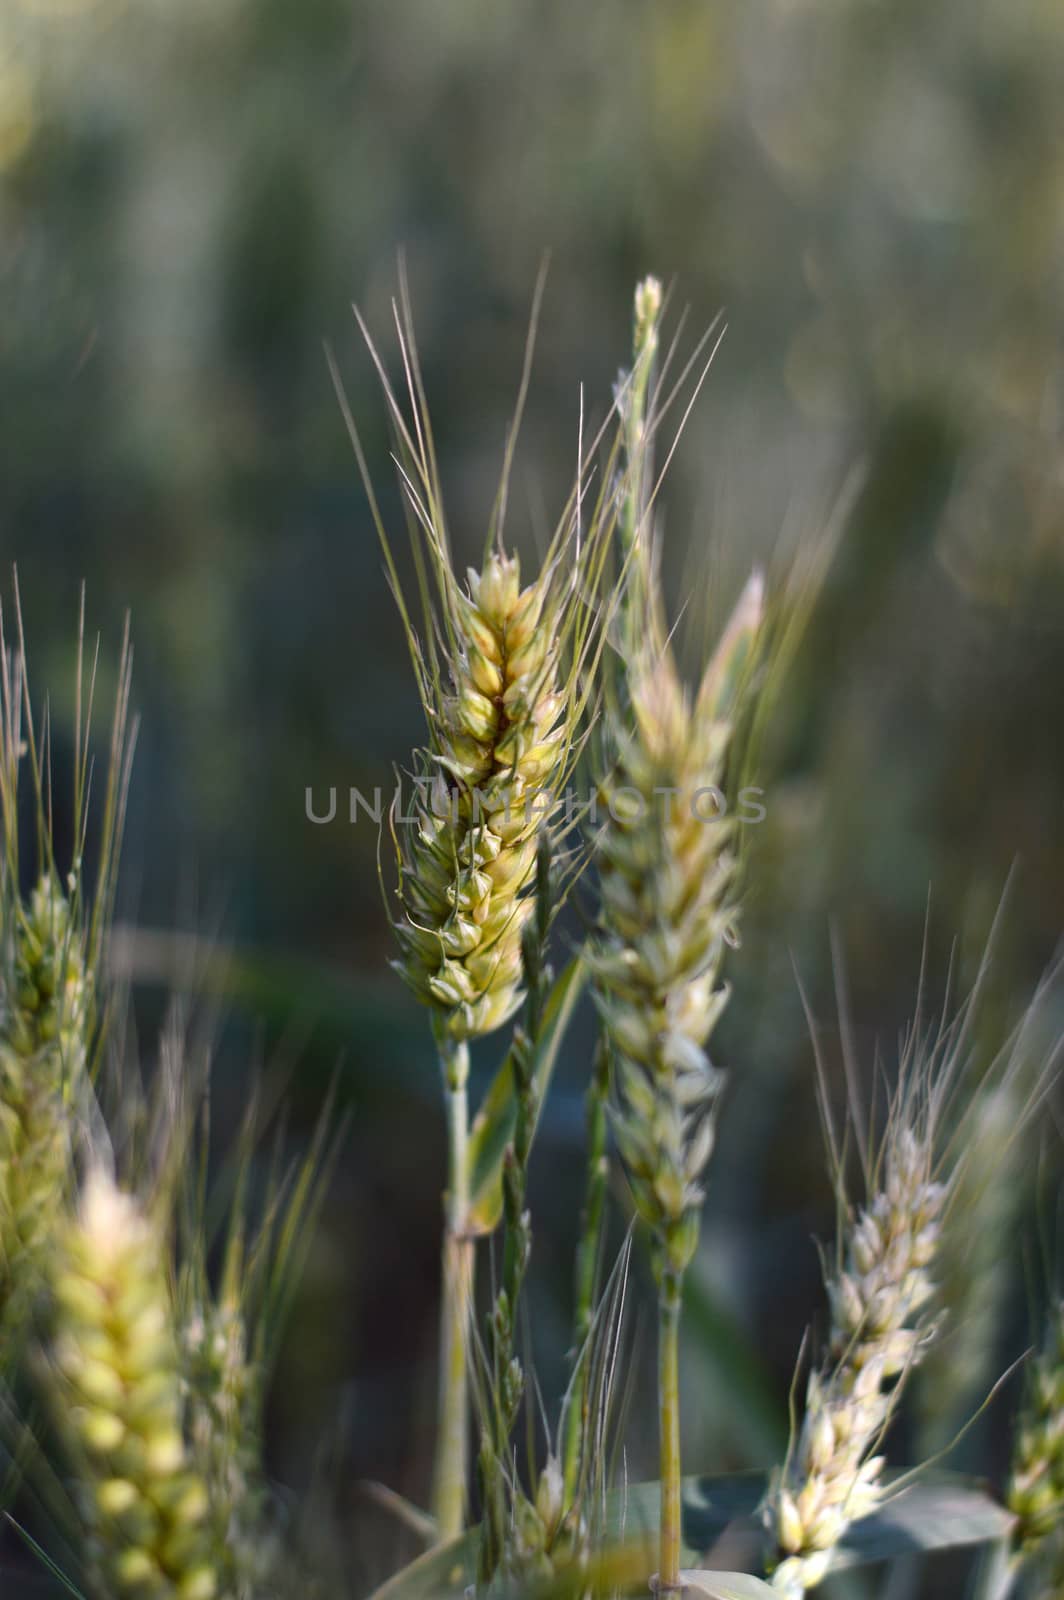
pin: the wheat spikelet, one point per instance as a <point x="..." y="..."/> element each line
<point x="118" y="1384"/>
<point x="879" y="1330"/>
<point x="1036" y="1486"/>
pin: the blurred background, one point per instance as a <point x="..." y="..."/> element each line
<point x="191" y="196"/>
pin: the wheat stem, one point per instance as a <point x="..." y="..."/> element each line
<point x="507" y="1374"/>
<point x="458" y="1278"/>
<point x="669" y="1301"/>
<point x="587" y="1259"/>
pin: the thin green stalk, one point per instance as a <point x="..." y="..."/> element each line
<point x="508" y="1379"/>
<point x="587" y="1261"/>
<point x="452" y="1446"/>
<point x="669" y="1413"/>
<point x="517" y="1232"/>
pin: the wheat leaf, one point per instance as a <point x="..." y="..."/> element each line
<point x="930" y="1516"/>
<point x="493" y="1126"/>
<point x="726" y="1585"/>
<point x="46" y="1561"/>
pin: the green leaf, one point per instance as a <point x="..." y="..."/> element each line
<point x="726" y="1585"/>
<point x="942" y="1514"/>
<point x="709" y="1507"/>
<point x="939" y="1514"/>
<point x="65" y="1583"/>
<point x="493" y="1126"/>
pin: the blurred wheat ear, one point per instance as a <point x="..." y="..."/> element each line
<point x="1036" y="1486"/>
<point x="117" y="1381"/>
<point x="882" y="1284"/>
<point x="50" y="956"/>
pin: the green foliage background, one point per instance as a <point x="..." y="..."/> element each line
<point x="190" y="197"/>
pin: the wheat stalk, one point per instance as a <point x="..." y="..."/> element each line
<point x="506" y="1384"/>
<point x="588" y="1253"/>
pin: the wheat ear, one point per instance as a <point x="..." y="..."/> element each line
<point x="1036" y="1485"/>
<point x="882" y="1282"/>
<point x="879" y="1330"/>
<point x="118" y="1384"/>
<point x="668" y="910"/>
<point x="50" y="948"/>
<point x="502" y="668"/>
<point x="44" y="1032"/>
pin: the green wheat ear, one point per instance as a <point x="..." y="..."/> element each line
<point x="501" y="736"/>
<point x="668" y="911"/>
<point x="503" y="669"/>
<point x="50" y="952"/>
<point x="117" y="1383"/>
<point x="1036" y="1486"/>
<point x="45" y="1025"/>
<point x="228" y="1337"/>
